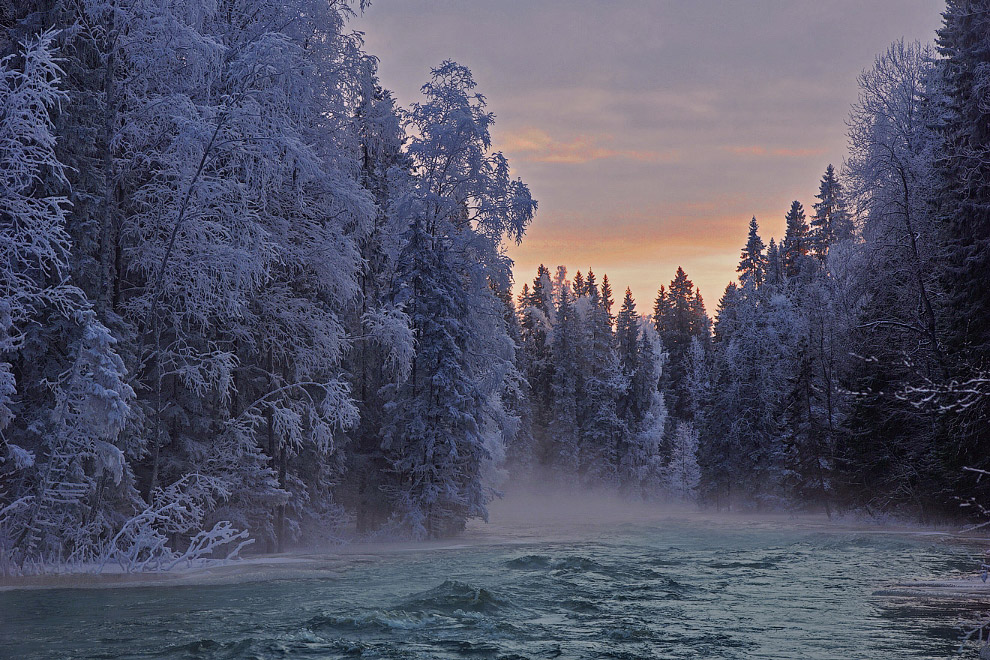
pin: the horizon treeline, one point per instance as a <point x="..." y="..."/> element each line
<point x="849" y="366"/>
<point x="247" y="299"/>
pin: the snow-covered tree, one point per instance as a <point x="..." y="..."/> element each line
<point x="562" y="449"/>
<point x="602" y="431"/>
<point x="679" y="316"/>
<point x="753" y="263"/>
<point x="537" y="314"/>
<point x="682" y="472"/>
<point x="962" y="167"/>
<point x="469" y="199"/>
<point x="433" y="441"/>
<point x="796" y="246"/>
<point x="644" y="414"/>
<point x="832" y="222"/>
<point x="898" y="336"/>
<point x="775" y="267"/>
<point x="34" y="246"/>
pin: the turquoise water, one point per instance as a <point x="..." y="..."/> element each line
<point x="662" y="589"/>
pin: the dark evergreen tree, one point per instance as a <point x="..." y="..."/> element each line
<point x="831" y="222"/>
<point x="607" y="299"/>
<point x="627" y="333"/>
<point x="796" y="246"/>
<point x="681" y="318"/>
<point x="432" y="436"/>
<point x="385" y="173"/>
<point x="964" y="170"/>
<point x="660" y="304"/>
<point x="752" y="263"/>
<point x="516" y="397"/>
<point x="775" y="267"/>
<point x="963" y="195"/>
<point x="536" y="312"/>
<point x="563" y="448"/>
<point x="578" y="287"/>
<point x="602" y="432"/>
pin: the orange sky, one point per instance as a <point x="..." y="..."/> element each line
<point x="651" y="131"/>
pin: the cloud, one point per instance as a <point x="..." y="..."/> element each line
<point x="763" y="152"/>
<point x="536" y="145"/>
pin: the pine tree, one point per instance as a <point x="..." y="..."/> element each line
<point x="660" y="306"/>
<point x="537" y="317"/>
<point x="831" y="223"/>
<point x="963" y="171"/>
<point x="752" y="263"/>
<point x="963" y="196"/>
<point x="601" y="430"/>
<point x="607" y="299"/>
<point x="591" y="287"/>
<point x="559" y="279"/>
<point x="701" y="327"/>
<point x="627" y="333"/>
<point x="516" y="396"/>
<point x="432" y="438"/>
<point x="726" y="321"/>
<point x="563" y="449"/>
<point x="645" y="417"/>
<point x="775" y="266"/>
<point x="682" y="317"/>
<point x="796" y="246"/>
<point x="682" y="473"/>
<point x="578" y="286"/>
<point x="636" y="396"/>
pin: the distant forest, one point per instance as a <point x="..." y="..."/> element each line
<point x="247" y="300"/>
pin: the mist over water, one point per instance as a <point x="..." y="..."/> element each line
<point x="552" y="575"/>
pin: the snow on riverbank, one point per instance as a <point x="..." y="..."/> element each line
<point x="514" y="521"/>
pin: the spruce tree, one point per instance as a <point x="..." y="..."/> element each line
<point x="681" y="317"/>
<point x="602" y="432"/>
<point x="660" y="305"/>
<point x="752" y="263"/>
<point x="963" y="196"/>
<point x="964" y="171"/>
<point x="775" y="267"/>
<point x="796" y="245"/>
<point x="432" y="438"/>
<point x="607" y="299"/>
<point x="562" y="451"/>
<point x="627" y="332"/>
<point x="682" y="472"/>
<point x="537" y="314"/>
<point x="831" y="222"/>
<point x="645" y="417"/>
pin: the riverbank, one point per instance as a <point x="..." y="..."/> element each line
<point x="520" y="521"/>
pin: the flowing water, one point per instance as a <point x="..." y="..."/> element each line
<point x="665" y="588"/>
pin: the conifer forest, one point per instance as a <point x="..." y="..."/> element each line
<point x="250" y="303"/>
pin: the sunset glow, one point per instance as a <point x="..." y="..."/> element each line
<point x="651" y="132"/>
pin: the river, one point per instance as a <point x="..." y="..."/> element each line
<point x="678" y="586"/>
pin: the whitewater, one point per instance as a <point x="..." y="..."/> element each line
<point x="545" y="579"/>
